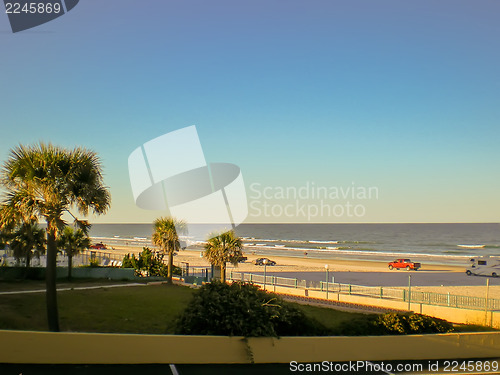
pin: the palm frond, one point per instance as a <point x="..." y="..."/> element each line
<point x="223" y="248"/>
<point x="47" y="180"/>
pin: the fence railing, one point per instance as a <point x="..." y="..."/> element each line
<point x="199" y="272"/>
<point x="85" y="257"/>
<point x="81" y="259"/>
<point x="398" y="294"/>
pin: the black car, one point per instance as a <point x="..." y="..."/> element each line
<point x="260" y="262"/>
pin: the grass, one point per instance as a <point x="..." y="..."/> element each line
<point x="150" y="309"/>
<point x="333" y="319"/>
<point x="137" y="309"/>
<point x="18" y="285"/>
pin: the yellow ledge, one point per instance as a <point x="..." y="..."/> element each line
<point x="90" y="348"/>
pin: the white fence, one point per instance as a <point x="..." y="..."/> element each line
<point x="428" y="298"/>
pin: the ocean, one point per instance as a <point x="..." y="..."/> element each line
<point x="453" y="243"/>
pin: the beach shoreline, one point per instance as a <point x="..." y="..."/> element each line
<point x="287" y="265"/>
<point x="306" y="263"/>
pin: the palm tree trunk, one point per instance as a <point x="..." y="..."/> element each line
<point x="223" y="272"/>
<point x="50" y="279"/>
<point x="170" y="266"/>
<point x="26" y="270"/>
<point x="70" y="264"/>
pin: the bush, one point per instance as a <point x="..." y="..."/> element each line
<point x="360" y="326"/>
<point x="241" y="309"/>
<point x="149" y="263"/>
<point x="127" y="261"/>
<point x="404" y="324"/>
<point x="393" y="324"/>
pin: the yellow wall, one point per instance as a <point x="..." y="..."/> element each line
<point x="59" y="348"/>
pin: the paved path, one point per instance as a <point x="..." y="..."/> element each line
<point x="72" y="288"/>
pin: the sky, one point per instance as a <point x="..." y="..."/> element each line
<point x="398" y="97"/>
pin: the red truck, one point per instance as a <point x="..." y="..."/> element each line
<point x="98" y="246"/>
<point x="404" y="263"/>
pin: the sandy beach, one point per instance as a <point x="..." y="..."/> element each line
<point x="290" y="264"/>
<point x="301" y="265"/>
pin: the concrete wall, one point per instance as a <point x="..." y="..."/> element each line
<point x="102" y="273"/>
<point x="59" y="348"/>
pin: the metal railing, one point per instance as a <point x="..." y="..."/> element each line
<point x="81" y="259"/>
<point x="201" y="272"/>
<point x="102" y="258"/>
<point x="392" y="293"/>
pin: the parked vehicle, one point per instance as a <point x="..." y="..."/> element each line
<point x="260" y="262"/>
<point x="485" y="266"/>
<point x="404" y="263"/>
<point x="98" y="246"/>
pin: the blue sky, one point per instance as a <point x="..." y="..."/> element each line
<point x="398" y="95"/>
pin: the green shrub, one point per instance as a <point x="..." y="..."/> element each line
<point x="404" y="324"/>
<point x="393" y="324"/>
<point x="127" y="261"/>
<point x="241" y="309"/>
<point x="359" y="326"/>
<point x="149" y="263"/>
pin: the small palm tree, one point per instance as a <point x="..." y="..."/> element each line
<point x="223" y="248"/>
<point x="26" y="238"/>
<point x="73" y="241"/>
<point x="46" y="182"/>
<point x="166" y="237"/>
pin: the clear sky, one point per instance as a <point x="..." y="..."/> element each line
<point x="402" y="96"/>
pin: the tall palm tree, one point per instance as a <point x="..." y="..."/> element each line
<point x="48" y="181"/>
<point x="223" y="248"/>
<point x="26" y="238"/>
<point x="166" y="236"/>
<point x="73" y="241"/>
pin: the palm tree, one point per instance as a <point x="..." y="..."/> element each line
<point x="73" y="241"/>
<point x="223" y="248"/>
<point x="47" y="181"/>
<point x="26" y="238"/>
<point x="3" y="239"/>
<point x="166" y="237"/>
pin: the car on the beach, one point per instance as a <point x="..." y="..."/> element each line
<point x="267" y="261"/>
<point x="404" y="263"/>
<point x="98" y="246"/>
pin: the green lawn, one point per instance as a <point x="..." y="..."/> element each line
<point x="17" y="285"/>
<point x="137" y="309"/>
<point x="333" y="319"/>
